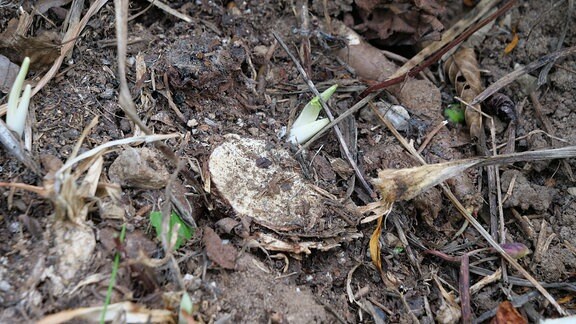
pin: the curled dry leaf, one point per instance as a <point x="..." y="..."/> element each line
<point x="462" y="70"/>
<point x="405" y="184"/>
<point x="503" y="107"/>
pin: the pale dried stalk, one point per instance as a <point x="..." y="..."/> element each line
<point x="511" y="158"/>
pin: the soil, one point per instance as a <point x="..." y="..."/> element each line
<point x="220" y="74"/>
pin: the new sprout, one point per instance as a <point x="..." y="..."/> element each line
<point x="306" y="125"/>
<point x="17" y="112"/>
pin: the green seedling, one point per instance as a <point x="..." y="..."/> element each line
<point x="186" y="308"/>
<point x="307" y="124"/>
<point x="115" y="267"/>
<point x="455" y="114"/>
<point x="184" y="231"/>
<point x="18" y="106"/>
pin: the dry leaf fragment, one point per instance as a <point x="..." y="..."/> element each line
<point x="222" y="254"/>
<point x="42" y="50"/>
<point x="129" y="312"/>
<point x="507" y="314"/>
<point x="512" y="45"/>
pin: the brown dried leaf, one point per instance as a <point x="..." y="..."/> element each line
<point x="222" y="254"/>
<point x="401" y="22"/>
<point x="507" y="314"/>
<point x="462" y="70"/>
<point x="375" y="245"/>
<point x="42" y="49"/>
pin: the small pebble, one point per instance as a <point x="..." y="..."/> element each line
<point x="14" y="227"/>
<point x="5" y="286"/>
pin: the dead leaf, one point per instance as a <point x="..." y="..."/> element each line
<point x="375" y="245"/>
<point x="507" y="314"/>
<point x="463" y="72"/>
<point x="222" y="254"/>
<point x="512" y="45"/>
<point x="8" y="72"/>
<point x="401" y="22"/>
<point x="42" y="50"/>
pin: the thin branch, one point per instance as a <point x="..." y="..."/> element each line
<point x="337" y="130"/>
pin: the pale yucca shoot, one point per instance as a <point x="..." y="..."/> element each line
<point x="307" y="125"/>
<point x="18" y="107"/>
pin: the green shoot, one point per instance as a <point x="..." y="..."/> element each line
<point x="184" y="231"/>
<point x="455" y="114"/>
<point x="16" y="112"/>
<point x="305" y="132"/>
<point x="185" y="308"/>
<point x="115" y="267"/>
<point x="306" y="125"/>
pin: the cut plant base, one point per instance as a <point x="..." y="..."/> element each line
<point x="265" y="185"/>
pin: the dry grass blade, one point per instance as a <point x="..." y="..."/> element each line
<point x="130" y="312"/>
<point x="566" y="152"/>
<point x="125" y="99"/>
<point x="171" y="11"/>
<point x="405" y="184"/>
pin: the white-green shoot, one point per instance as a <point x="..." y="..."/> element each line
<point x="186" y="308"/>
<point x="18" y="107"/>
<point x="307" y="124"/>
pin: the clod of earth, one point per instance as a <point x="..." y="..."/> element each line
<point x="139" y="168"/>
<point x="273" y="195"/>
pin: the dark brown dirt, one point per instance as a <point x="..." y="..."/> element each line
<point x="213" y="69"/>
